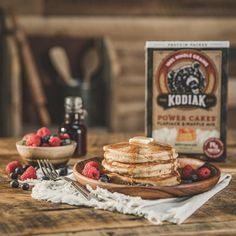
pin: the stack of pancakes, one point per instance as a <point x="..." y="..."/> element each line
<point x="141" y="161"/>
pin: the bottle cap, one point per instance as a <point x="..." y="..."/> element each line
<point x="68" y="104"/>
<point x="75" y="104"/>
<point x="78" y="103"/>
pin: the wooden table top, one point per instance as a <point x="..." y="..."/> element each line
<point x="22" y="215"/>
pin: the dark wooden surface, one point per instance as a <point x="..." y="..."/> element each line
<point x="22" y="215"/>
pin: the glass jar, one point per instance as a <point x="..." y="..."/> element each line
<point x="74" y="124"/>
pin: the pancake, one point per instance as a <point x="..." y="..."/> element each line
<point x="141" y="161"/>
<point x="138" y="152"/>
<point x="138" y="158"/>
<point x="168" y="180"/>
<point x="148" y="169"/>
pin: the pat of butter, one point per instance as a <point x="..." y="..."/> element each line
<point x="141" y="140"/>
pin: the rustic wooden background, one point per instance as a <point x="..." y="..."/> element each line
<point x="125" y="26"/>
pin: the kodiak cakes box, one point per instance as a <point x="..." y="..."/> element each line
<point x="186" y="94"/>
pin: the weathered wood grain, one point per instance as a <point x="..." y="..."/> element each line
<point x="122" y="7"/>
<point x="30" y="7"/>
<point x="128" y="28"/>
<point x="112" y="72"/>
<point x="33" y="79"/>
<point x="21" y="215"/>
<point x="141" y="7"/>
<point x="10" y="82"/>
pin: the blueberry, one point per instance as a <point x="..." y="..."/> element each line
<point x="14" y="184"/>
<point x="45" y="139"/>
<point x="19" y="171"/>
<point x="189" y="181"/>
<point x="63" y="171"/>
<point x="194" y="177"/>
<point x="45" y="178"/>
<point x="65" y="142"/>
<point x="14" y="175"/>
<point x="25" y="186"/>
<point x="104" y="178"/>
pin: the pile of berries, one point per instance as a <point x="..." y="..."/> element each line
<point x="92" y="171"/>
<point x="44" y="138"/>
<point x="16" y="171"/>
<point x="189" y="174"/>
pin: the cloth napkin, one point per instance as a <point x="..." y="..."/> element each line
<point x="175" y="210"/>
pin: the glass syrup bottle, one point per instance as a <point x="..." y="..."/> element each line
<point x="74" y="124"/>
<point x="78" y="128"/>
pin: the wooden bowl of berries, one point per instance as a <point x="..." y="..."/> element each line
<point x="196" y="177"/>
<point x="43" y="145"/>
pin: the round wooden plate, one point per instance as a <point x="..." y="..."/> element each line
<point x="152" y="192"/>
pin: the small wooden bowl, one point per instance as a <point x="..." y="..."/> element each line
<point x="56" y="155"/>
<point x="153" y="192"/>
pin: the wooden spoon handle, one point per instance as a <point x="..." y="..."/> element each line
<point x="62" y="65"/>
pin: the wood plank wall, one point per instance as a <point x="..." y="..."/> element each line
<point x="123" y="7"/>
<point x="128" y="24"/>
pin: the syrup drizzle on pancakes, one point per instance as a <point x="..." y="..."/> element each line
<point x="141" y="161"/>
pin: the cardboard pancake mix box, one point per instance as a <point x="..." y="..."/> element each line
<point x="186" y="96"/>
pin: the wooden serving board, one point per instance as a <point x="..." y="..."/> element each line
<point x="152" y="192"/>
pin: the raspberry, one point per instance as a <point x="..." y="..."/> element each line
<point x="33" y="140"/>
<point x="203" y="172"/>
<point x="91" y="164"/>
<point x="54" y="141"/>
<point x="187" y="171"/>
<point x="12" y="166"/>
<point x="91" y="172"/>
<point x="84" y="172"/>
<point x="30" y="173"/>
<point x="64" y="136"/>
<point x="44" y="131"/>
<point x="25" y="137"/>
